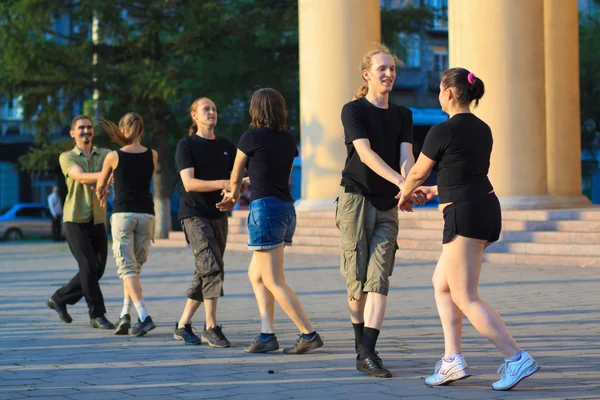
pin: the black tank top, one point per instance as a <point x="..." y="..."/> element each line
<point x="132" y="183"/>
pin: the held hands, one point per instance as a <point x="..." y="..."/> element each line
<point x="101" y="192"/>
<point x="419" y="196"/>
<point x="228" y="201"/>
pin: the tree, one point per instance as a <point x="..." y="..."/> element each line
<point x="157" y="56"/>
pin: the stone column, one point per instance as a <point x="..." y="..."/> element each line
<point x="502" y="42"/>
<point x="333" y="35"/>
<point x="563" y="133"/>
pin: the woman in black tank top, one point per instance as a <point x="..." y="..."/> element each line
<point x="460" y="149"/>
<point x="132" y="221"/>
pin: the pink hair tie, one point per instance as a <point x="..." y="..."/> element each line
<point x="471" y="77"/>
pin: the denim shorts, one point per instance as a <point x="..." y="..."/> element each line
<point x="271" y="223"/>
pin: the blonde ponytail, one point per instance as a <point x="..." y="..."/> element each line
<point x="362" y="92"/>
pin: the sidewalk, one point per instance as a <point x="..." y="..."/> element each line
<point x="554" y="313"/>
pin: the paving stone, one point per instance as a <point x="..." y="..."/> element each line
<point x="552" y="312"/>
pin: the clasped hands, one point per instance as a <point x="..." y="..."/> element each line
<point x="229" y="198"/>
<point x="419" y="196"/>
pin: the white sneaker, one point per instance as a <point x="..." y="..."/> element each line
<point x="447" y="371"/>
<point x="513" y="372"/>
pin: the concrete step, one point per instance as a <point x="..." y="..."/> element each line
<point x="559" y="249"/>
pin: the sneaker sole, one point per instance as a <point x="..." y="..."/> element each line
<point x="532" y="371"/>
<point x="260" y="351"/>
<point x="180" y="338"/>
<point x="123" y="329"/>
<point x="215" y="346"/>
<point x="449" y="380"/>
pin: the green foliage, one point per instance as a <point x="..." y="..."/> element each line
<point x="407" y="20"/>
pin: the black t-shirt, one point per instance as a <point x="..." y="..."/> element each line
<point x="211" y="160"/>
<point x="385" y="129"/>
<point x="270" y="158"/>
<point x="462" y="146"/>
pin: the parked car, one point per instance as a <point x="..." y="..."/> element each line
<point x="25" y="220"/>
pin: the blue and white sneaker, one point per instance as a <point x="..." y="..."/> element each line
<point x="513" y="372"/>
<point x="447" y="371"/>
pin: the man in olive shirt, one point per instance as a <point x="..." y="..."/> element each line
<point x="84" y="226"/>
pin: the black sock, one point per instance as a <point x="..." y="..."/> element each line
<point x="358" y="334"/>
<point x="309" y="336"/>
<point x="370" y="336"/>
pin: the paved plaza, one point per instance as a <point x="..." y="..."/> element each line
<point x="552" y="311"/>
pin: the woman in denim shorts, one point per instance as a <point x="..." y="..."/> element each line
<point x="132" y="221"/>
<point x="268" y="151"/>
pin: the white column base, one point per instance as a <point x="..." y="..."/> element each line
<point x="543" y="202"/>
<point x="315" y="205"/>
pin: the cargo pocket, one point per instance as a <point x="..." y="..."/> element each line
<point x="348" y="265"/>
<point x="206" y="261"/>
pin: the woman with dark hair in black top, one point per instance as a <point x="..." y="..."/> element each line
<point x="459" y="149"/>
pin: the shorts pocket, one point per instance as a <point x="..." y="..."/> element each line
<point x="206" y="262"/>
<point x="348" y="264"/>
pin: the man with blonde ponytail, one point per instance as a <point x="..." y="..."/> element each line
<point x="204" y="163"/>
<point x="84" y="219"/>
<point x="378" y="137"/>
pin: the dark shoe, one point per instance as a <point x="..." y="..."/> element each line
<point x="101" y="323"/>
<point x="373" y="366"/>
<point x="141" y="328"/>
<point x="61" y="310"/>
<point x="262" y="347"/>
<point x="303" y="345"/>
<point x="215" y="337"/>
<point x="123" y="325"/>
<point x="186" y="334"/>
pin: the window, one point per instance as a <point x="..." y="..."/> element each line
<point x="440" y="13"/>
<point x="30" y="212"/>
<point x="440" y="61"/>
<point x="412" y="44"/>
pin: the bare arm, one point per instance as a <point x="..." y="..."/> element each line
<point x="77" y="174"/>
<point x="237" y="174"/>
<point x="407" y="158"/>
<point x="373" y="161"/>
<point x="154" y="157"/>
<point x="110" y="163"/>
<point x="192" y="184"/>
<point x="416" y="176"/>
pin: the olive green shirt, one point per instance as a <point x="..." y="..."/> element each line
<point x="81" y="204"/>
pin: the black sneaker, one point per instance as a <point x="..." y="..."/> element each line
<point x="123" y="325"/>
<point x="260" y="346"/>
<point x="373" y="366"/>
<point x="141" y="328"/>
<point x="61" y="310"/>
<point x="215" y="337"/>
<point x="303" y="345"/>
<point x="186" y="334"/>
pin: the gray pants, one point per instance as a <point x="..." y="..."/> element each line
<point x="368" y="244"/>
<point x="208" y="238"/>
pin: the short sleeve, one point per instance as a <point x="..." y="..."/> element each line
<point x="407" y="136"/>
<point x="184" y="158"/>
<point x="354" y="123"/>
<point x="246" y="143"/>
<point x="67" y="160"/>
<point x="436" y="142"/>
<point x="232" y="153"/>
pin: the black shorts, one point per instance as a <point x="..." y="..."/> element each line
<point x="477" y="219"/>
